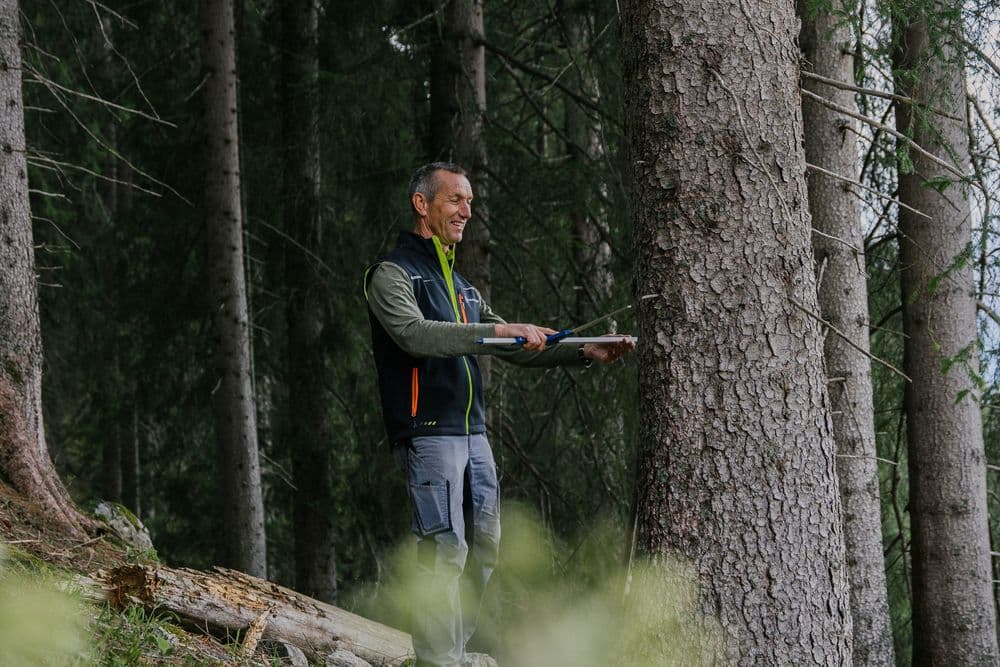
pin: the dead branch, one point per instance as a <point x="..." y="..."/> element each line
<point x="869" y="91"/>
<point x="885" y="128"/>
<point x="875" y="192"/>
<point x="850" y="342"/>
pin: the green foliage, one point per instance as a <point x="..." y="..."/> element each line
<point x="131" y="637"/>
<point x="555" y="601"/>
<point x="938" y="183"/>
<point x="958" y="262"/>
<point x="39" y="623"/>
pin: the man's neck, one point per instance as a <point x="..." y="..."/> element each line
<point x="423" y="231"/>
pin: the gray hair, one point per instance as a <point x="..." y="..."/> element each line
<point x="425" y="182"/>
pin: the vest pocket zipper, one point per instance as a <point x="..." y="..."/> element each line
<point x="414" y="395"/>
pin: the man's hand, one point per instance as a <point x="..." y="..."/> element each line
<point x="608" y="354"/>
<point x="534" y="336"/>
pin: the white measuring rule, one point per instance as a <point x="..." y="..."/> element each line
<point x="569" y="340"/>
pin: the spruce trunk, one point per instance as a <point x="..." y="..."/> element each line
<point x="309" y="430"/>
<point x="736" y="470"/>
<point x="24" y="456"/>
<point x="590" y="228"/>
<point x="458" y="113"/>
<point x="831" y="144"/>
<point x="235" y="405"/>
<point x="954" y="622"/>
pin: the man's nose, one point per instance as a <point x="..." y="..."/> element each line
<point x="465" y="210"/>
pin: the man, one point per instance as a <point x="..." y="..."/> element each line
<point x="425" y="319"/>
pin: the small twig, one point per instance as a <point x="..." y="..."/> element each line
<point x="95" y="174"/>
<point x="534" y="71"/>
<point x="61" y="232"/>
<point x="989" y="312"/>
<point x="872" y="327"/>
<point x="112" y="151"/>
<point x="838" y="239"/>
<point x="986" y="123"/>
<point x="57" y="195"/>
<point x="122" y="19"/>
<point x="847" y="340"/>
<point x="862" y="456"/>
<point x="66" y="552"/>
<point x="894" y="200"/>
<point x="37" y="77"/>
<point x="979" y="52"/>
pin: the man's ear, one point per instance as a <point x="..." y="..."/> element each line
<point x="419" y="203"/>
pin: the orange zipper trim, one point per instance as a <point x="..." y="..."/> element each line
<point x="461" y="303"/>
<point x="414" y="393"/>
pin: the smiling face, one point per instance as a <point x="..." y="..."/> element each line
<point x="446" y="214"/>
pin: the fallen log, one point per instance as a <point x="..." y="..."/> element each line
<point x="257" y="609"/>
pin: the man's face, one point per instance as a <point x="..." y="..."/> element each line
<point x="445" y="216"/>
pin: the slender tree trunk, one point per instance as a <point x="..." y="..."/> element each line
<point x="24" y="456"/>
<point x="458" y="111"/>
<point x="235" y="407"/>
<point x="590" y="228"/>
<point x="954" y="622"/>
<point x="736" y="468"/>
<point x="309" y="428"/>
<point x="130" y="460"/>
<point x="843" y="298"/>
<point x="105" y="216"/>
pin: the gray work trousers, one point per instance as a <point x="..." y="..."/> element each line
<point x="453" y="490"/>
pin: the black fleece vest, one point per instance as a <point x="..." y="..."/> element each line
<point x="428" y="395"/>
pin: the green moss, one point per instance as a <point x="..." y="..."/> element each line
<point x="12" y="371"/>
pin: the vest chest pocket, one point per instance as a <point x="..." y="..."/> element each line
<point x="468" y="304"/>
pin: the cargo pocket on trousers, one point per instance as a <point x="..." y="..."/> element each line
<point x="431" y="506"/>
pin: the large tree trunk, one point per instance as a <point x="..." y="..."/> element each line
<point x="235" y="405"/>
<point x="24" y="456"/>
<point x="229" y="601"/>
<point x="843" y="298"/>
<point x="736" y="469"/>
<point x="458" y="112"/>
<point x="590" y="228"/>
<point x="309" y="430"/>
<point x="954" y="621"/>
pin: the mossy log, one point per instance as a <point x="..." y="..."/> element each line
<point x="256" y="609"/>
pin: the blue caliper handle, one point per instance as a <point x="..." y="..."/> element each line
<point x="557" y="336"/>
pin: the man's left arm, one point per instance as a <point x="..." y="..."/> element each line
<point x="554" y="355"/>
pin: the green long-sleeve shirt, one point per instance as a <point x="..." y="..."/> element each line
<point x="391" y="299"/>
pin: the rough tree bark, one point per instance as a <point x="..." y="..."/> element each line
<point x="458" y="112"/>
<point x="309" y="429"/>
<point x="24" y="456"/>
<point x="830" y="143"/>
<point x="954" y="622"/>
<point x="736" y="470"/>
<point x="235" y="405"/>
<point x="590" y="229"/>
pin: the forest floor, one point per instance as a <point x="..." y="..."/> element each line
<point x="40" y="560"/>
